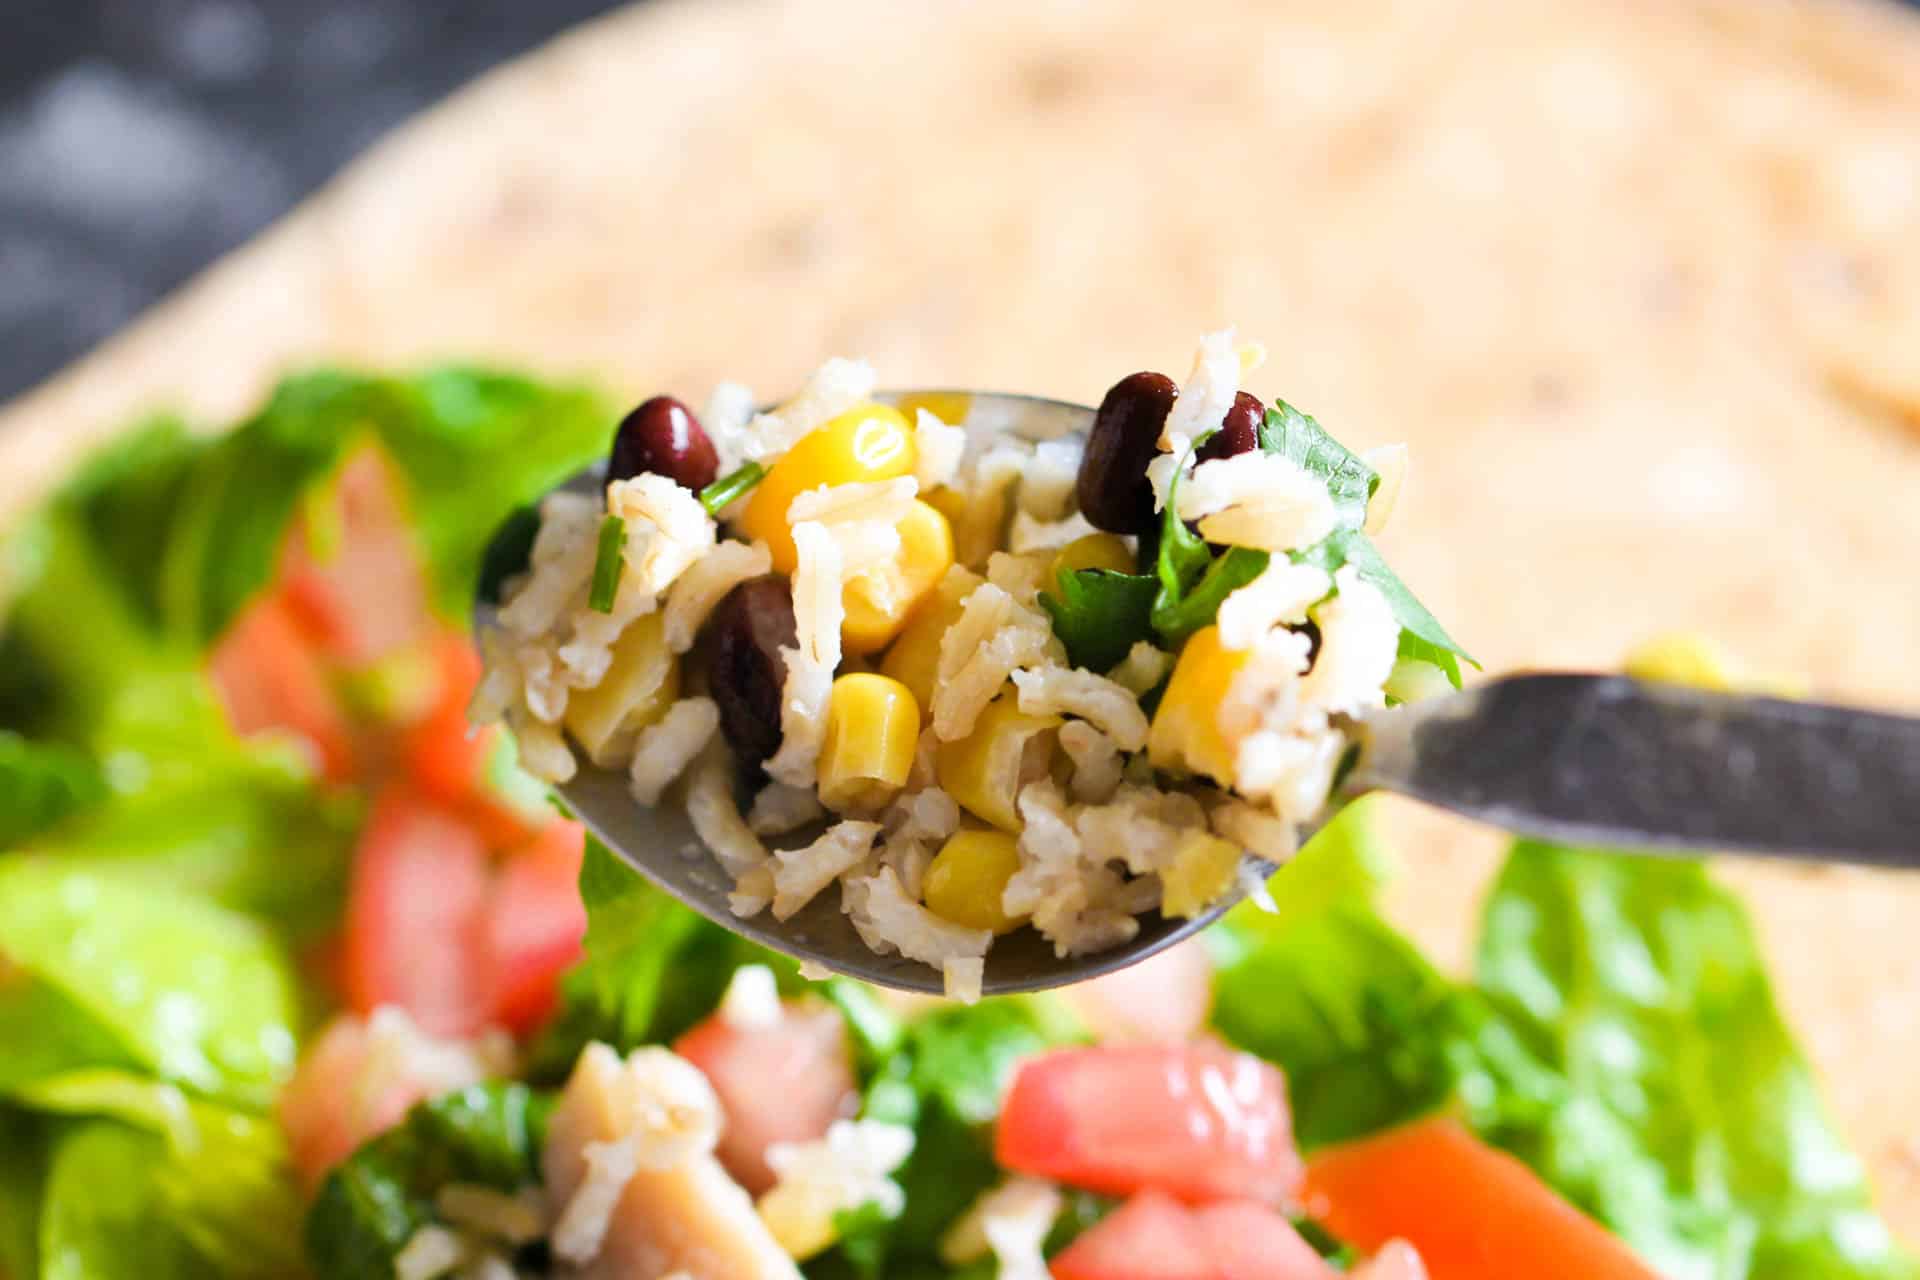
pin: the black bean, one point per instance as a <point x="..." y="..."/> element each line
<point x="663" y="436"/>
<point x="1112" y="487"/>
<point x="750" y="627"/>
<point x="1239" y="430"/>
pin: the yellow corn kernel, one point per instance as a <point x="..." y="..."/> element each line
<point x="1202" y="870"/>
<point x="951" y="407"/>
<point x="800" y="1222"/>
<point x="985" y="770"/>
<point x="1094" y="551"/>
<point x="879" y="600"/>
<point x="866" y="443"/>
<point x="979" y="522"/>
<point x="968" y="877"/>
<point x="914" y="659"/>
<point x="1186" y="735"/>
<point x="1691" y="659"/>
<point x="873" y="724"/>
<point x="641" y="682"/>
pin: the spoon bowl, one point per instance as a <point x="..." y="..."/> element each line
<point x="660" y="842"/>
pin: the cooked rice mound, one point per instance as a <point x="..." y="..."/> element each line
<point x="1105" y="822"/>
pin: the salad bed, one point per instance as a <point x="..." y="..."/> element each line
<point x="285" y="953"/>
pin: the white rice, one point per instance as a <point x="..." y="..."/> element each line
<point x="716" y="817"/>
<point x="800" y="874"/>
<point x="1293" y="772"/>
<point x="429" y="1253"/>
<point x="818" y="613"/>
<point x="667" y="529"/>
<point x="835" y="387"/>
<point x="1096" y="761"/>
<point x="1282" y="593"/>
<point x="1206" y="395"/>
<point x="1255" y="499"/>
<point x="992" y="638"/>
<point x="1142" y="668"/>
<point x="1067" y="889"/>
<point x="890" y="921"/>
<point x="1047" y="483"/>
<point x="559" y="567"/>
<point x="518" y="1218"/>
<point x="1258" y="831"/>
<point x="939" y="448"/>
<point x="666" y="747"/>
<point x="928" y="814"/>
<point x="779" y="808"/>
<point x="1019" y="573"/>
<point x="1030" y="534"/>
<point x="543" y="752"/>
<point x="705" y="583"/>
<point x="729" y="411"/>
<point x="1359" y="643"/>
<point x="838" y="1173"/>
<point x="1057" y="690"/>
<point x="962" y="978"/>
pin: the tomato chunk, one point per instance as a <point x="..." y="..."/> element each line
<point x="414" y="916"/>
<point x="269" y="679"/>
<point x="1197" y="1122"/>
<point x="1155" y="1237"/>
<point x="534" y="925"/>
<point x="1469" y="1210"/>
<point x="783" y="1082"/>
<point x="359" y="1079"/>
<point x="352" y="570"/>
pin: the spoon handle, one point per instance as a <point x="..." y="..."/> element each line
<point x="1612" y="762"/>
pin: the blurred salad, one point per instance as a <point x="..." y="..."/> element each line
<point x="299" y="976"/>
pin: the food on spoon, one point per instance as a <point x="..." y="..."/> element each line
<point x="1133" y="656"/>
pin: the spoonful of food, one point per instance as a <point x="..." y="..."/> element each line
<point x="981" y="693"/>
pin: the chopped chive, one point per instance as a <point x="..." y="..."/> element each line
<point x="606" y="565"/>
<point x="717" y="495"/>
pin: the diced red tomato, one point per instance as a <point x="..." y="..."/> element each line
<point x="1161" y="1000"/>
<point x="448" y="756"/>
<point x="782" y="1083"/>
<point x="414" y="916"/>
<point x="1155" y="1237"/>
<point x="358" y="1081"/>
<point x="1469" y="1210"/>
<point x="1198" y="1122"/>
<point x="534" y="925"/>
<point x="358" y="585"/>
<point x="269" y="679"/>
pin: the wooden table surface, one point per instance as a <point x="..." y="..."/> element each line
<point x="1638" y="281"/>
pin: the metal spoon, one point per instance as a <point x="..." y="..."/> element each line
<point x="1595" y="760"/>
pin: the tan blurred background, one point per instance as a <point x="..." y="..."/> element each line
<point x="1639" y="282"/>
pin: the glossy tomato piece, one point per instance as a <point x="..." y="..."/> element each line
<point x="1469" y="1210"/>
<point x="269" y="679"/>
<point x="1161" y="1000"/>
<point x="1198" y="1122"/>
<point x="351" y="567"/>
<point x="1155" y="1237"/>
<point x="359" y="1079"/>
<point x="784" y="1082"/>
<point x="415" y="916"/>
<point x="535" y="922"/>
<point x="449" y="758"/>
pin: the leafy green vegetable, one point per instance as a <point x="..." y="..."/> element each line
<point x="945" y="1082"/>
<point x="606" y="565"/>
<point x="509" y="552"/>
<point x="1296" y="436"/>
<point x="1099" y="615"/>
<point x="1176" y="619"/>
<point x="1690" y="1121"/>
<point x="717" y="496"/>
<point x="41" y="783"/>
<point x="652" y="968"/>
<point x="24" y="1140"/>
<point x="371" y="1205"/>
<point x="186" y="990"/>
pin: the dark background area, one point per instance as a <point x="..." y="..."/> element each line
<point x="140" y="139"/>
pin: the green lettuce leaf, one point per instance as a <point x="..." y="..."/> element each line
<point x="1297" y="436"/>
<point x="1691" y="1124"/>
<point x="371" y="1205"/>
<point x="1422" y="638"/>
<point x="24" y="1138"/>
<point x="41" y="783"/>
<point x="182" y="989"/>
